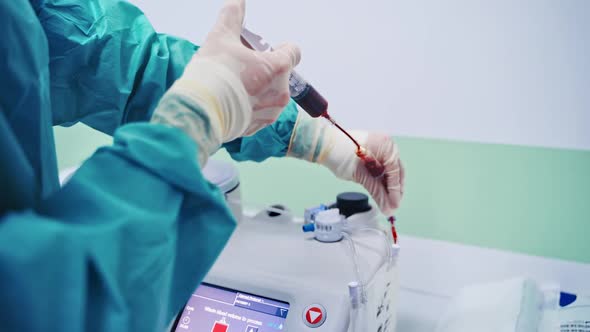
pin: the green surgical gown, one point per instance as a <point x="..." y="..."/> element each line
<point x="125" y="242"/>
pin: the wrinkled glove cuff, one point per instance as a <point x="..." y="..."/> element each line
<point x="176" y="110"/>
<point x="317" y="141"/>
<point x="219" y="92"/>
<point x="200" y="103"/>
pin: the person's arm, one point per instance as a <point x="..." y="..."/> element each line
<point x="272" y="141"/>
<point x="376" y="165"/>
<point x="121" y="246"/>
<point x="110" y="67"/>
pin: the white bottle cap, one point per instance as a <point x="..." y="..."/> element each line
<point x="329" y="225"/>
<point x="327" y="217"/>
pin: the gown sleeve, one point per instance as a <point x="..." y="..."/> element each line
<point x="110" y="67"/>
<point x="121" y="246"/>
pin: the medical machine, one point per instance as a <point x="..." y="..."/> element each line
<point x="335" y="271"/>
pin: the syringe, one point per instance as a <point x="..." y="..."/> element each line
<point x="303" y="93"/>
<point x="312" y="102"/>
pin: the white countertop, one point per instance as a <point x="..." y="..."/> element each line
<point x="432" y="271"/>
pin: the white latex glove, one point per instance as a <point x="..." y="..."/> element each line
<point x="316" y="140"/>
<point x="228" y="90"/>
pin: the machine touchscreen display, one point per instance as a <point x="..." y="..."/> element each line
<point x="217" y="309"/>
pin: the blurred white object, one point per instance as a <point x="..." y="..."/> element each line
<point x="515" y="305"/>
<point x="66" y="174"/>
<point x="225" y="176"/>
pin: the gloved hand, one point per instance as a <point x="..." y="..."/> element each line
<point x="317" y="141"/>
<point x="228" y="90"/>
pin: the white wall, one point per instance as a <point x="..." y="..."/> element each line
<point x="515" y="72"/>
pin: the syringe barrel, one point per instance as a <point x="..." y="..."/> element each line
<point x="303" y="93"/>
<point x="306" y="96"/>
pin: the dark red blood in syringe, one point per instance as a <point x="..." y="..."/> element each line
<point x="312" y="102"/>
<point x="316" y="105"/>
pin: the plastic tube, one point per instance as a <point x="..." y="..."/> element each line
<point x="357" y="291"/>
<point x="386" y="238"/>
<point x="357" y="270"/>
<point x="353" y="314"/>
<point x="356" y="324"/>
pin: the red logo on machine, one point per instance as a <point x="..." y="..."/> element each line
<point x="220" y="327"/>
<point x="314" y="315"/>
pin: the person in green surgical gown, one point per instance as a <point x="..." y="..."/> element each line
<point x="124" y="243"/>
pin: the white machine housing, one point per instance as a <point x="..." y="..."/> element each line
<point x="272" y="257"/>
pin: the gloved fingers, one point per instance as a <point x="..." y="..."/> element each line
<point x="391" y="203"/>
<point x="257" y="124"/>
<point x="387" y="191"/>
<point x="283" y="58"/>
<point x="394" y="173"/>
<point x="292" y="51"/>
<point x="275" y="97"/>
<point x="240" y="90"/>
<point x="265" y="116"/>
<point x="231" y="17"/>
<point x="273" y="100"/>
<point x="392" y="179"/>
<point x="387" y="150"/>
<point x="257" y="78"/>
<point x="389" y="156"/>
<point x="268" y="115"/>
<point x="394" y="188"/>
<point x="387" y="200"/>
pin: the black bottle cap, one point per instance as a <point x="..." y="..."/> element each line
<point x="352" y="203"/>
<point x="275" y="213"/>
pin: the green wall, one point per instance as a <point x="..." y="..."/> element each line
<point x="523" y="199"/>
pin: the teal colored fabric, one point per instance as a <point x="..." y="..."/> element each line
<point x="272" y="141"/>
<point x="109" y="67"/>
<point x="126" y="241"/>
<point x="121" y="246"/>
